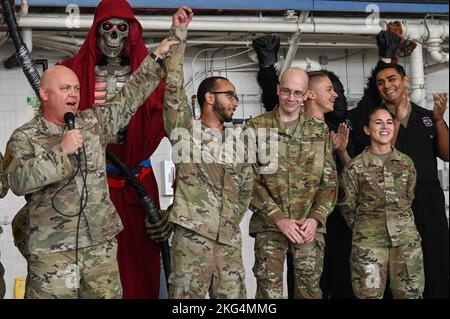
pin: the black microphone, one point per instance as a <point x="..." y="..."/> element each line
<point x="69" y="119"/>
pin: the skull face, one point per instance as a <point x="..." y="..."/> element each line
<point x="111" y="35"/>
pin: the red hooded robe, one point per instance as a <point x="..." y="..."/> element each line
<point x="138" y="256"/>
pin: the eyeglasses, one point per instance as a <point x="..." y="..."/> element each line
<point x="297" y="94"/>
<point x="230" y="94"/>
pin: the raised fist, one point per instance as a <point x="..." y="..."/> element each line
<point x="182" y="17"/>
<point x="387" y="43"/>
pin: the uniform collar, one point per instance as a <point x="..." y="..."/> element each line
<point x="275" y="115"/>
<point x="48" y="127"/>
<point x="369" y="159"/>
<point x="218" y="135"/>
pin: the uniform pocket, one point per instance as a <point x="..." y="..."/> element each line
<point x="414" y="262"/>
<point x="180" y="286"/>
<point x="180" y="281"/>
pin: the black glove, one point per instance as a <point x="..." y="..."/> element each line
<point x="122" y="135"/>
<point x="161" y="230"/>
<point x="387" y="43"/>
<point x="266" y="48"/>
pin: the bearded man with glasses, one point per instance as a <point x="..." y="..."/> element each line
<point x="211" y="196"/>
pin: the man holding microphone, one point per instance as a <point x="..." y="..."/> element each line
<point x="72" y="222"/>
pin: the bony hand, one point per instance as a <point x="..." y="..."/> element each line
<point x="161" y="230"/>
<point x="266" y="48"/>
<point x="387" y="43"/>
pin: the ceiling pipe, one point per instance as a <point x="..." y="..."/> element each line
<point x="307" y="64"/>
<point x="435" y="68"/>
<point x="417" y="76"/>
<point x="61" y="39"/>
<point x="24" y="7"/>
<point x="57" y="45"/>
<point x="164" y="22"/>
<point x="436" y="52"/>
<point x="78" y="41"/>
<point x="292" y="51"/>
<point x="350" y="20"/>
<point x="27" y="37"/>
<point x="293" y="43"/>
<point x="27" y="33"/>
<point x="431" y="33"/>
<point x="236" y="24"/>
<point x="275" y="19"/>
<point x="425" y="30"/>
<point x="54" y="48"/>
<point x="302" y="44"/>
<point x="49" y="21"/>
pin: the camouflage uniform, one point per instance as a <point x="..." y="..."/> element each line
<point x="37" y="168"/>
<point x="211" y="197"/>
<point x="53" y="275"/>
<point x="19" y="227"/>
<point x="303" y="185"/>
<point x="3" y="191"/>
<point x="375" y="199"/>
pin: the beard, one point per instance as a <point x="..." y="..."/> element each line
<point x="220" y="110"/>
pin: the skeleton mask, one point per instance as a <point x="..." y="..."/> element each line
<point x="111" y="35"/>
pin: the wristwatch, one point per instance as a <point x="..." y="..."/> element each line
<point x="156" y="58"/>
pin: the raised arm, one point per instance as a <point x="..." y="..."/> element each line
<point x="177" y="113"/>
<point x="118" y="111"/>
<point x="266" y="48"/>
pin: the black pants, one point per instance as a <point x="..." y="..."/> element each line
<point x="431" y="222"/>
<point x="336" y="280"/>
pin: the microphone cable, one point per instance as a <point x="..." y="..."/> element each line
<point x="83" y="202"/>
